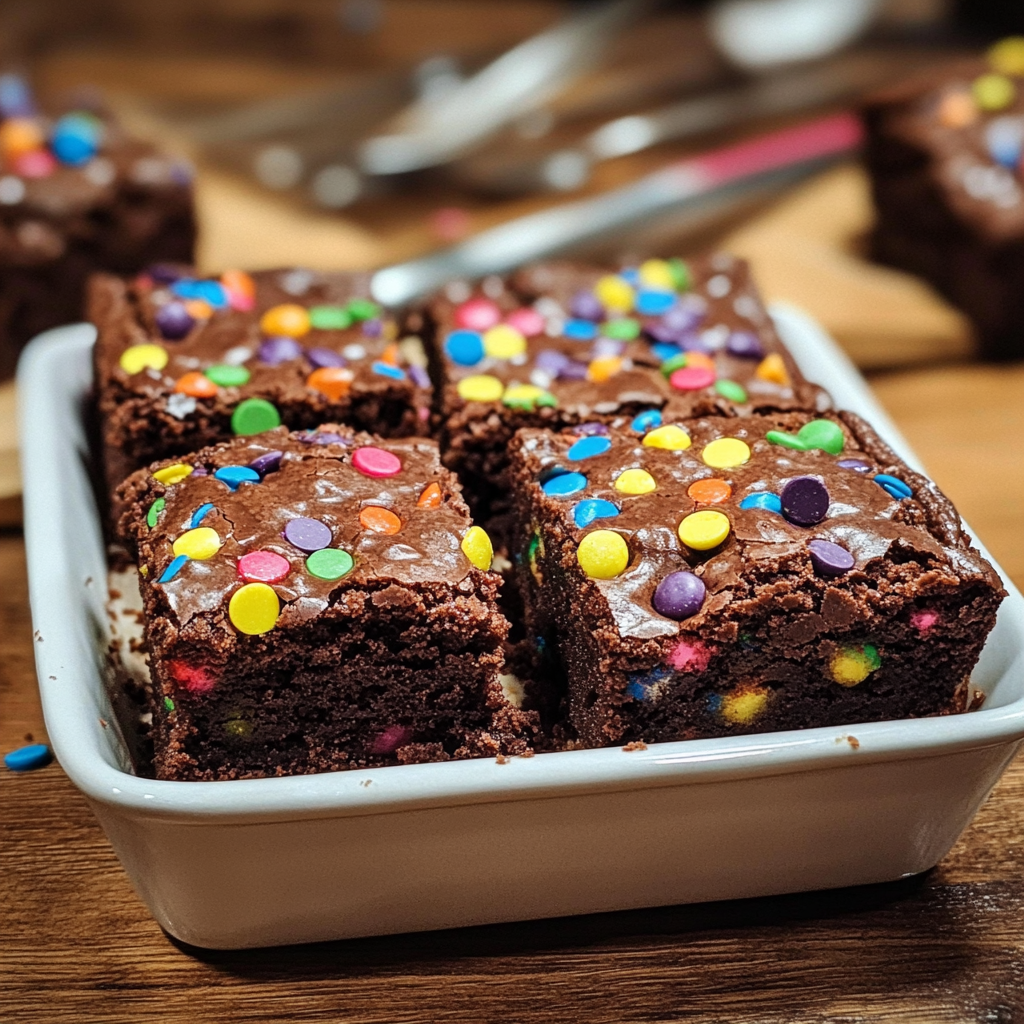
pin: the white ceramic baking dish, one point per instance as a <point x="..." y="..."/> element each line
<point x="253" y="863"/>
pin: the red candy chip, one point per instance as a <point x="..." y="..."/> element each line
<point x="372" y="461"/>
<point x="692" y="378"/>
<point x="263" y="567"/>
<point x="477" y="314"/>
<point x="194" y="678"/>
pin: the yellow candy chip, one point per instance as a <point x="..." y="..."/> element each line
<point x="254" y="609"/>
<point x="615" y="293"/>
<point x="201" y="543"/>
<point x="669" y="437"/>
<point x="851" y="665"/>
<point x="725" y="453"/>
<point x="993" y="92"/>
<point x="1007" y="56"/>
<point x="656" y="274"/>
<point x="705" y="530"/>
<point x="143" y="357"/>
<point x="504" y="342"/>
<point x="173" y="474"/>
<point x="288" y="319"/>
<point x="743" y="706"/>
<point x="481" y="387"/>
<point x="603" y="554"/>
<point x="773" y="369"/>
<point x="603" y="368"/>
<point x="635" y="481"/>
<point x="477" y="547"/>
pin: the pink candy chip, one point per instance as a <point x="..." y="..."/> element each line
<point x="372" y="461"/>
<point x="393" y="737"/>
<point x="689" y="657"/>
<point x="477" y="314"/>
<point x="263" y="567"/>
<point x="924" y="620"/>
<point x="528" y="322"/>
<point x="692" y="378"/>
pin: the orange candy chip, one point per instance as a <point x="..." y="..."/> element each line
<point x="709" y="492"/>
<point x="390" y="355"/>
<point x="379" y="520"/>
<point x="197" y="385"/>
<point x="701" y="359"/>
<point x="241" y="289"/>
<point x="431" y="497"/>
<point x="199" y="309"/>
<point x="332" y="381"/>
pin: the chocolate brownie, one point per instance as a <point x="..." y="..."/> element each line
<point x="314" y="601"/>
<point x="944" y="155"/>
<point x="183" y="362"/>
<point x="560" y="344"/>
<point x="77" y="195"/>
<point x="717" y="576"/>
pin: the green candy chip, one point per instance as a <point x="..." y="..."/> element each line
<point x="154" y="512"/>
<point x="731" y="390"/>
<point x="623" y="329"/>
<point x="330" y="318"/>
<point x="228" y="376"/>
<point x="168" y="703"/>
<point x="253" y="416"/>
<point x="329" y="563"/>
<point x="681" y="276"/>
<point x="821" y="434"/>
<point x="362" y="309"/>
<point x="675" y="363"/>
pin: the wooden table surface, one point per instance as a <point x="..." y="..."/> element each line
<point x="77" y="946"/>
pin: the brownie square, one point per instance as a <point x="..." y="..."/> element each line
<point x="720" y="576"/>
<point x="561" y="344"/>
<point x="77" y="195"/>
<point x="316" y="601"/>
<point x="944" y="157"/>
<point x="183" y="362"/>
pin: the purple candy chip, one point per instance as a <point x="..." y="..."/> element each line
<point x="829" y="559"/>
<point x="322" y="437"/>
<point x="164" y="273"/>
<point x="857" y="465"/>
<point x="573" y="370"/>
<point x="550" y="360"/>
<point x="805" y="501"/>
<point x="607" y="347"/>
<point x="321" y="357"/>
<point x="679" y="595"/>
<point x="307" y="534"/>
<point x="279" y="350"/>
<point x="586" y="306"/>
<point x="744" y="345"/>
<point x="268" y="462"/>
<point x="419" y="376"/>
<point x="173" y="320"/>
<point x="372" y="328"/>
<point x="590" y="429"/>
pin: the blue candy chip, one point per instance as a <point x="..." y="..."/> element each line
<point x="631" y="275"/>
<point x="26" y="759"/>
<point x="665" y="350"/>
<point x="893" y="486"/>
<point x="200" y="514"/>
<point x="235" y="476"/>
<point x="387" y="370"/>
<point x="564" y="484"/>
<point x="588" y="447"/>
<point x="580" y="330"/>
<point x="73" y="149"/>
<point x="173" y="569"/>
<point x="593" y="508"/>
<point x="646" y="420"/>
<point x="464" y="347"/>
<point x="763" y="499"/>
<point x="654" y="303"/>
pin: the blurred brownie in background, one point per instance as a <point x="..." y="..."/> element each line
<point x="77" y="195"/>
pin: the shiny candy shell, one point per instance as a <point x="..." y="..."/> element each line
<point x="307" y="534"/>
<point x="431" y="497"/>
<point x="829" y="559"/>
<point x="679" y="595"/>
<point x="235" y="476"/>
<point x="615" y="293"/>
<point x="376" y="462"/>
<point x="143" y="357"/>
<point x="670" y="437"/>
<point x="823" y="435"/>
<point x="726" y="453"/>
<point x="893" y="486"/>
<point x="477" y="314"/>
<point x="635" y="481"/>
<point x="773" y="369"/>
<point x="657" y="274"/>
<point x="228" y="376"/>
<point x="329" y="318"/>
<point x="477" y="547"/>
<point x="334" y="382"/>
<point x="704" y="530"/>
<point x="603" y="554"/>
<point x="254" y="608"/>
<point x="173" y="320"/>
<point x="173" y="474"/>
<point x="27" y="759"/>
<point x="527" y="321"/>
<point x="464" y="347"/>
<point x="709" y="492"/>
<point x="588" y="447"/>
<point x="586" y="511"/>
<point x="646" y="420"/>
<point x="329" y="563"/>
<point x="253" y="416"/>
<point x="378" y="519"/>
<point x="852" y="665"/>
<point x="199" y="544"/>
<point x="805" y="501"/>
<point x="691" y="378"/>
<point x="763" y="499"/>
<point x="288" y="319"/>
<point x="263" y="567"/>
<point x="504" y="342"/>
<point x="562" y="485"/>
<point x="196" y="384"/>
<point x="480" y="388"/>
<point x="527" y="397"/>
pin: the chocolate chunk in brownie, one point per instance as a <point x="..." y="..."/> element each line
<point x="77" y="195"/>
<point x="183" y="361"/>
<point x="944" y="155"/>
<point x="316" y="601"/>
<point x="726" y="575"/>
<point x="562" y="344"/>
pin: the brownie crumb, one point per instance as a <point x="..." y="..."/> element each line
<point x="634" y="745"/>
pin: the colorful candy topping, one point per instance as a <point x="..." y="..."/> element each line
<point x="228" y="376"/>
<point x="154" y="512"/>
<point x="563" y="484"/>
<point x="710" y="491"/>
<point x="477" y="547"/>
<point x="173" y="474"/>
<point x="478" y="314"/>
<point x="263" y="567"/>
<point x="805" y="501"/>
<point x="329" y="564"/>
<point x="200" y="514"/>
<point x="378" y="519"/>
<point x="172" y="570"/>
<point x="376" y="462"/>
<point x="773" y="369"/>
<point x="289" y="319"/>
<point x="254" y="608"/>
<point x="821" y="434"/>
<point x="431" y="497"/>
<point x="268" y="462"/>
<point x="725" y="453"/>
<point x="829" y="559"/>
<point x="585" y="512"/>
<point x="588" y="448"/>
<point x="137" y="358"/>
<point x="480" y="388"/>
<point x="647" y="420"/>
<point x="198" y="385"/>
<point x="679" y="595"/>
<point x="253" y="416"/>
<point x="763" y="499"/>
<point x="28" y="759"/>
<point x="894" y="486"/>
<point x="235" y="476"/>
<point x="670" y="437"/>
<point x="307" y="534"/>
<point x="743" y="705"/>
<point x="635" y="481"/>
<point x="852" y="665"/>
<point x="704" y="530"/>
<point x="527" y="397"/>
<point x="199" y="544"/>
<point x="603" y="554"/>
<point x="333" y="381"/>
